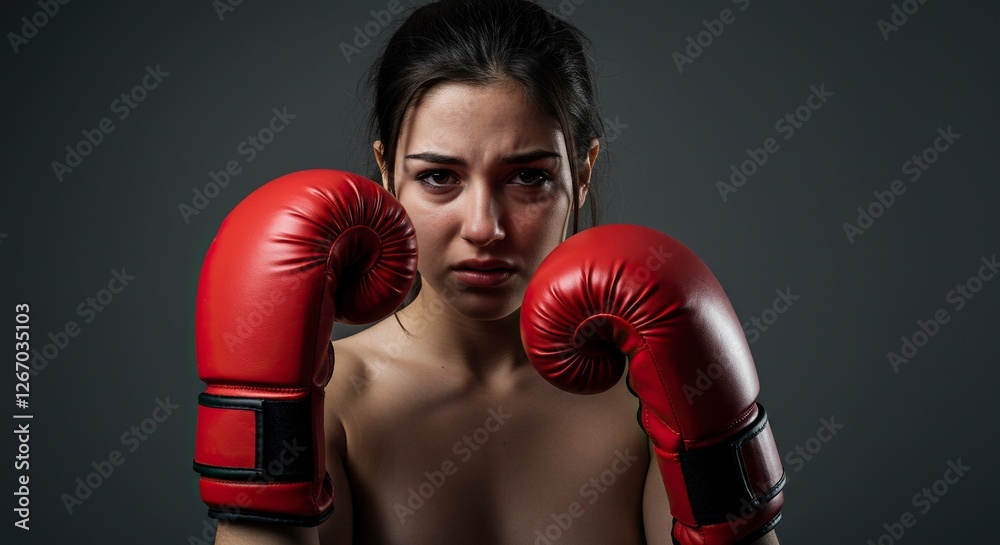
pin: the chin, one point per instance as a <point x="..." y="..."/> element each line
<point x="487" y="307"/>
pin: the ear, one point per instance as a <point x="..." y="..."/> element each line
<point x="586" y="169"/>
<point x="377" y="147"/>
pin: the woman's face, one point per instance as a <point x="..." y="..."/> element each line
<point x="483" y="176"/>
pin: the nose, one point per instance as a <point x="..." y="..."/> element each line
<point x="482" y="213"/>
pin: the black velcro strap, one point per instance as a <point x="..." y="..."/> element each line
<point x="283" y="439"/>
<point x="270" y="518"/>
<point x="718" y="481"/>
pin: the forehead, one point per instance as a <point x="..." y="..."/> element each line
<point x="465" y="120"/>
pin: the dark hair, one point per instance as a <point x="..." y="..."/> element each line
<point x="484" y="42"/>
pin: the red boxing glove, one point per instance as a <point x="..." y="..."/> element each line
<point x="625" y="291"/>
<point x="298" y="253"/>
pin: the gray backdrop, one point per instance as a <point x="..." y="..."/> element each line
<point x="912" y="271"/>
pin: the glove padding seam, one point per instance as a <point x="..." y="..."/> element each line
<point x="663" y="384"/>
<point x="259" y="388"/>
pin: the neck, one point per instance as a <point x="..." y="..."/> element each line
<point x="484" y="349"/>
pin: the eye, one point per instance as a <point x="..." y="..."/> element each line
<point x="433" y="178"/>
<point x="532" y="177"/>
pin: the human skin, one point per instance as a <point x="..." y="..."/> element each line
<point x="411" y="405"/>
<point x="451" y="436"/>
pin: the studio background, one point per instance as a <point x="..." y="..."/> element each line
<point x="217" y="77"/>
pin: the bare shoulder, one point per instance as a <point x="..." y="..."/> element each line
<point x="349" y="361"/>
<point x="359" y="360"/>
<point x="340" y="392"/>
<point x="349" y="357"/>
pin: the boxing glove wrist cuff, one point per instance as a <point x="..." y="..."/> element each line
<point x="255" y="440"/>
<point x="244" y="516"/>
<point x="713" y="535"/>
<point x="736" y="478"/>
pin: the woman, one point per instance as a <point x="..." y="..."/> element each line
<point x="439" y="430"/>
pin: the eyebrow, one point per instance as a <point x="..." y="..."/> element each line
<point x="517" y="158"/>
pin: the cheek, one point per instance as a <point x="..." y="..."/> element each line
<point x="541" y="227"/>
<point x="545" y="217"/>
<point x="431" y="227"/>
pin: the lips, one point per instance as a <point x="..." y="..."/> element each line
<point x="483" y="273"/>
<point x="492" y="265"/>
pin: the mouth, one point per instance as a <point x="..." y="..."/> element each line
<point x="485" y="265"/>
<point x="483" y="274"/>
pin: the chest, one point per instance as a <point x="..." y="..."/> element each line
<point x="497" y="468"/>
